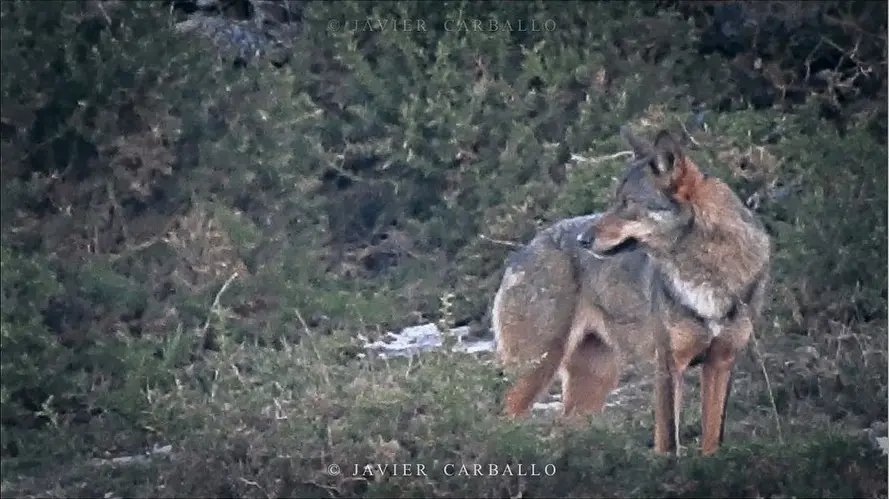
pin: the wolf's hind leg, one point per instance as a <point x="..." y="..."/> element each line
<point x="530" y="384"/>
<point x="590" y="372"/>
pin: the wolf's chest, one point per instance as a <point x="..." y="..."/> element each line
<point x="708" y="301"/>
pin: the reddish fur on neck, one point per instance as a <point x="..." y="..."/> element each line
<point x="687" y="180"/>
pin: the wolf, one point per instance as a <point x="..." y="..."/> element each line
<point x="675" y="271"/>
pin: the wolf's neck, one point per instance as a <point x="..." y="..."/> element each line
<point x="709" y="267"/>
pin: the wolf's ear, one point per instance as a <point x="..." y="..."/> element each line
<point x="641" y="147"/>
<point x="674" y="172"/>
<point x="666" y="153"/>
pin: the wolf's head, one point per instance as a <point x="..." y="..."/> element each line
<point x="651" y="205"/>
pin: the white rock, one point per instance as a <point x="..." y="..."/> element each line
<point x="423" y="338"/>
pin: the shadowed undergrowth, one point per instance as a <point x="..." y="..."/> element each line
<point x="270" y="424"/>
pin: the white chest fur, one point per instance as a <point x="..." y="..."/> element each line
<point x="707" y="301"/>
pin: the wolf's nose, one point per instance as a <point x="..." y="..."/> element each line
<point x="585" y="239"/>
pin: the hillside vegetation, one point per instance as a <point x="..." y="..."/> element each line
<point x="195" y="240"/>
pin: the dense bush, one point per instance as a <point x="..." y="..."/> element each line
<point x="194" y="236"/>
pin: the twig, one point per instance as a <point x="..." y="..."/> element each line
<point x="332" y="491"/>
<point x="160" y="238"/>
<point x="689" y="136"/>
<point x="846" y="24"/>
<point x="136" y="459"/>
<point x="583" y="159"/>
<point x="255" y="484"/>
<point x="311" y="339"/>
<point x="113" y="257"/>
<point x="101" y="6"/>
<point x="765" y="373"/>
<point x="500" y="241"/>
<point x="302" y="321"/>
<point x="215" y="304"/>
